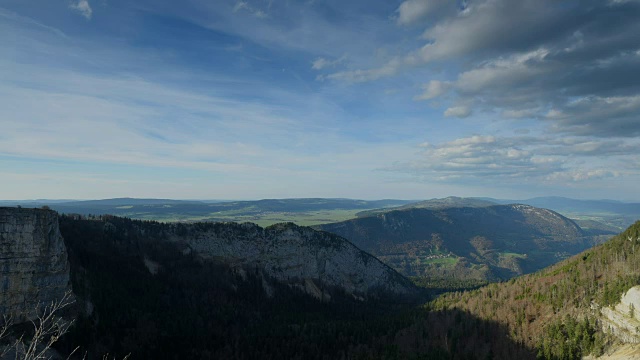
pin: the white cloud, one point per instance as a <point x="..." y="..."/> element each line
<point x="583" y="175"/>
<point x="529" y="161"/>
<point x="483" y="157"/>
<point x="245" y="6"/>
<point x="502" y="72"/>
<point x="357" y="76"/>
<point x="83" y="7"/>
<point x="434" y="89"/>
<point x="458" y="111"/>
<point x="411" y="11"/>
<point x="618" y="2"/>
<point x="321" y="63"/>
<point x="549" y="56"/>
<point x="601" y="116"/>
<point x="520" y="113"/>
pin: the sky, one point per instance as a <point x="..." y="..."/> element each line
<point x="369" y="99"/>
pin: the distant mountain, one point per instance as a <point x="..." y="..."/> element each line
<point x="265" y="212"/>
<point x="598" y="217"/>
<point x="601" y="214"/>
<point x="125" y="201"/>
<point x="567" y="205"/>
<point x="487" y="243"/>
<point x="33" y="203"/>
<point x="448" y="202"/>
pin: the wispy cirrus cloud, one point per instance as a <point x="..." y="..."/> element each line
<point x="243" y="134"/>
<point x="323" y="63"/>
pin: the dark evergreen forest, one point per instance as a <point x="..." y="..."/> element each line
<point x="205" y="310"/>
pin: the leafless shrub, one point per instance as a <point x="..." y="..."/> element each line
<point x="48" y="327"/>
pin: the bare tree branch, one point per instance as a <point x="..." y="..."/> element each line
<point x="48" y="327"/>
<point x="7" y="321"/>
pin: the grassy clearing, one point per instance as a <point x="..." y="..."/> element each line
<point x="448" y="261"/>
<point x="513" y="255"/>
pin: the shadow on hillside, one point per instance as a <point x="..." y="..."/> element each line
<point x="454" y="334"/>
<point x="192" y="309"/>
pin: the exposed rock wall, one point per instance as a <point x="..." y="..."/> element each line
<point x="33" y="261"/>
<point x="301" y="256"/>
<point x="623" y="320"/>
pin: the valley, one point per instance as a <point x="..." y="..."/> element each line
<point x="304" y="212"/>
<point x="287" y="291"/>
<point x="319" y="180"/>
<point x="482" y="243"/>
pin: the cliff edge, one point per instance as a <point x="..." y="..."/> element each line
<point x="34" y="270"/>
<point x="298" y="255"/>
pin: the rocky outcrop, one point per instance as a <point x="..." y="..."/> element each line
<point x="313" y="261"/>
<point x="33" y="262"/>
<point x="623" y="320"/>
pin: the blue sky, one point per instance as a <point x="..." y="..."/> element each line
<point x="255" y="99"/>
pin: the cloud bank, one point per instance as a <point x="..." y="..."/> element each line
<point x="573" y="65"/>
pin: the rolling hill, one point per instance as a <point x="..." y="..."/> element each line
<point x="448" y="202"/>
<point x="481" y="243"/>
<point x="595" y="214"/>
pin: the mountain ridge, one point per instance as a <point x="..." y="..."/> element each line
<point x="196" y="290"/>
<point x="490" y="242"/>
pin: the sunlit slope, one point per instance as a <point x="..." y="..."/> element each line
<point x="559" y="310"/>
<point x="482" y="243"/>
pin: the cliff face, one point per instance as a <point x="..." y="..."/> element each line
<point x="305" y="258"/>
<point x="33" y="261"/>
<point x="623" y="320"/>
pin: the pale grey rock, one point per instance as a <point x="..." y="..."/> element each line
<point x="34" y="270"/>
<point x="310" y="260"/>
<point x="151" y="265"/>
<point x="623" y="320"/>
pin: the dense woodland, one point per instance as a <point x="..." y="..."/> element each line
<point x="198" y="309"/>
<point x="482" y="243"/>
<point x="555" y="310"/>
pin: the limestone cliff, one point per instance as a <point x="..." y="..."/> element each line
<point x="33" y="261"/>
<point x="311" y="260"/>
<point x="623" y="320"/>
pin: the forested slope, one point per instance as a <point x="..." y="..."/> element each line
<point x="486" y="243"/>
<point x="141" y="293"/>
<point x="557" y="310"/>
<point x="199" y="309"/>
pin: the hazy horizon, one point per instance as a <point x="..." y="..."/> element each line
<point x="302" y="198"/>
